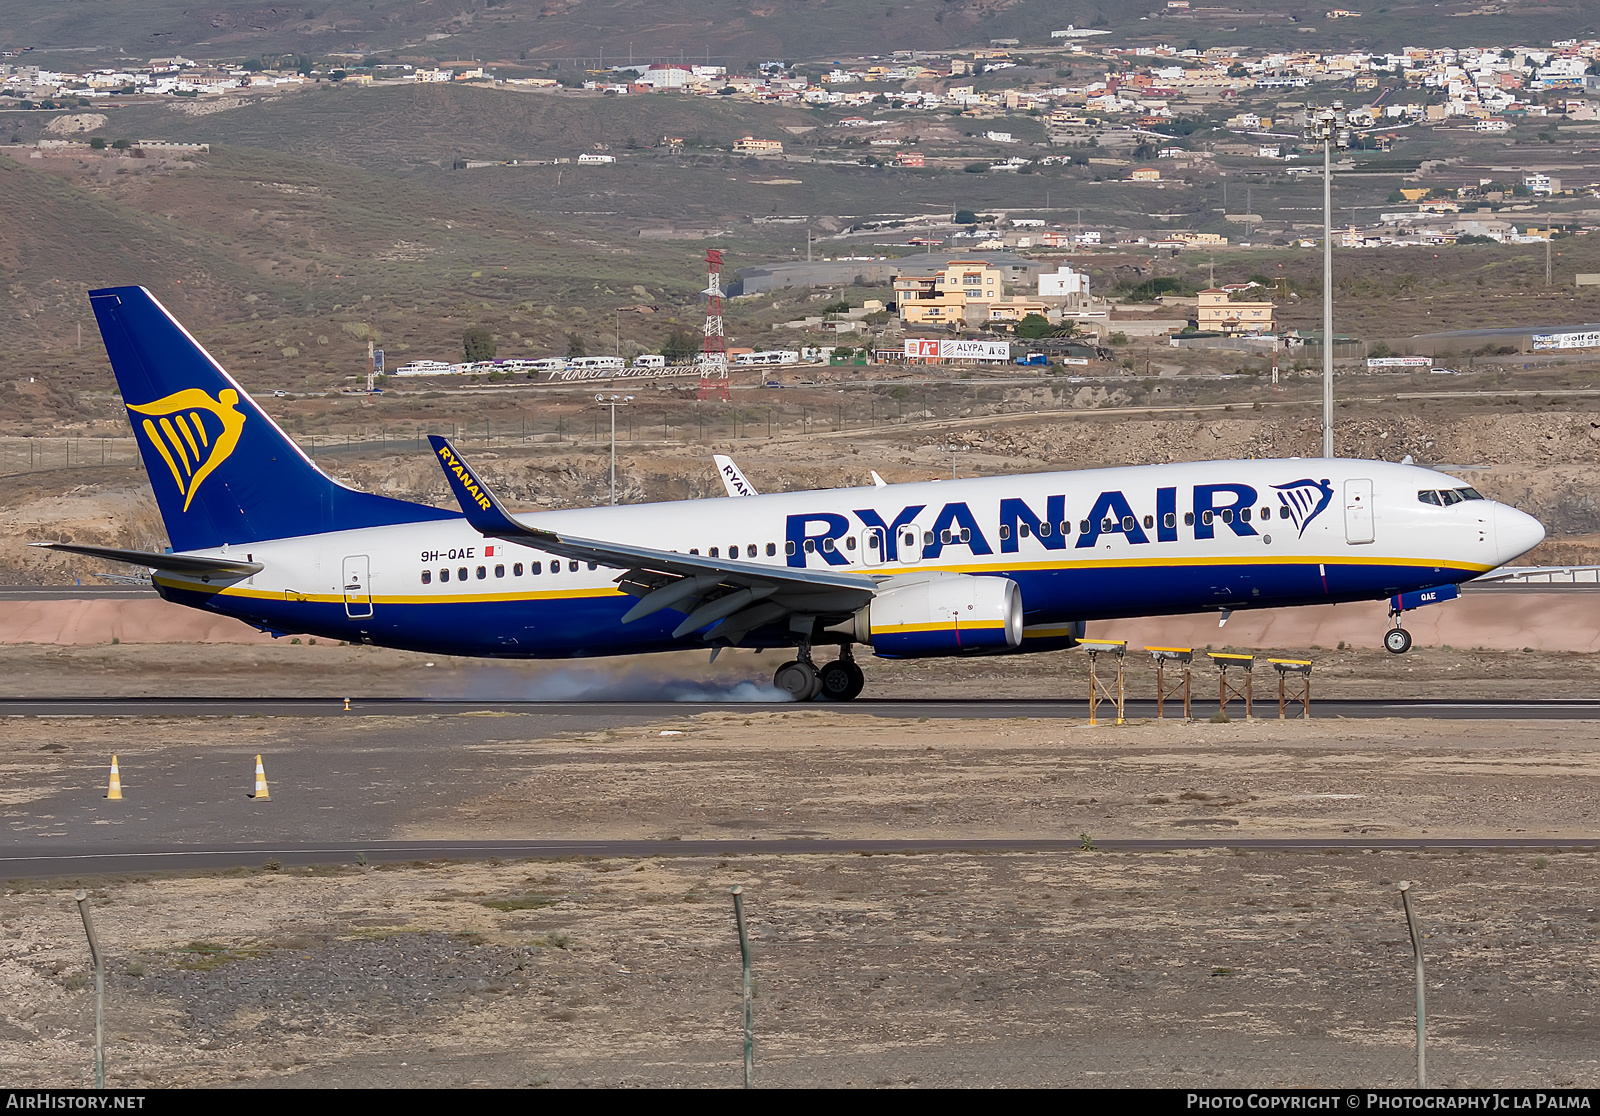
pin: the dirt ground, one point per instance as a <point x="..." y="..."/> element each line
<point x="1198" y="967"/>
<point x="335" y="671"/>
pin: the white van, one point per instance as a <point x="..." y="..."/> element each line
<point x="598" y="364"/>
<point x="773" y="356"/>
<point x="650" y="360"/>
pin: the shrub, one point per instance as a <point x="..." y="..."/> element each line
<point x="1033" y="326"/>
<point x="478" y="343"/>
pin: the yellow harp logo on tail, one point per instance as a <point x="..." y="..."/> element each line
<point x="193" y="433"/>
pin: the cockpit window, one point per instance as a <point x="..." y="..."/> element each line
<point x="1445" y="497"/>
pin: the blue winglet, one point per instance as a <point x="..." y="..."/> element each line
<point x="483" y="510"/>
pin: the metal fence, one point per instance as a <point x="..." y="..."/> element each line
<point x="1222" y="970"/>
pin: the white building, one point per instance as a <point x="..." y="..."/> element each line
<point x="1064" y="283"/>
<point x="1541" y="184"/>
<point x="588" y="158"/>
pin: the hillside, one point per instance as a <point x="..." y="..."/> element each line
<point x="737" y="33"/>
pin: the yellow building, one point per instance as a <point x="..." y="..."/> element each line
<point x="1199" y="239"/>
<point x="1219" y="313"/>
<point x="1013" y="310"/>
<point x="752" y="146"/>
<point x="961" y="289"/>
<point x="1145" y="174"/>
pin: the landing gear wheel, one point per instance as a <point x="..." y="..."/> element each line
<point x="1397" y="641"/>
<point x="841" y="680"/>
<point x="797" y="679"/>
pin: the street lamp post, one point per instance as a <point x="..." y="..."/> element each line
<point x="1328" y="126"/>
<point x="612" y="404"/>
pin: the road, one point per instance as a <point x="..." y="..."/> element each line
<point x="579" y="716"/>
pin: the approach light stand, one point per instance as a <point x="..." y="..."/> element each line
<point x="612" y="404"/>
<point x="1329" y="126"/>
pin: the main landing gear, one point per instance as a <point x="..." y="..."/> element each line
<point x="840" y="680"/>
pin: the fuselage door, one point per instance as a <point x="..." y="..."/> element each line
<point x="357" y="595"/>
<point x="1357" y="511"/>
<point x="872" y="548"/>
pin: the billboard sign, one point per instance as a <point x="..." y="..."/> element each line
<point x="1400" y="362"/>
<point x="1589" y="340"/>
<point x="924" y="349"/>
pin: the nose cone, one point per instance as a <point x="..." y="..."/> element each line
<point x="1515" y="533"/>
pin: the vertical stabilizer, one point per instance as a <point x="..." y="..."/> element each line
<point x="223" y="472"/>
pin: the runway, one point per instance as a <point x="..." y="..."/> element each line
<point x="612" y="711"/>
<point x="55" y="862"/>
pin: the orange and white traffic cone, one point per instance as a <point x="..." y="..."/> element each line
<point x="261" y="781"/>
<point x="115" y="789"/>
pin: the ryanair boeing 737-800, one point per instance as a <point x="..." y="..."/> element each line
<point x="997" y="565"/>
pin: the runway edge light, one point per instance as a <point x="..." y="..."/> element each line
<point x="114" y="791"/>
<point x="261" y="782"/>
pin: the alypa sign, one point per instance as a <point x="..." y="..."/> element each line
<point x="933" y="350"/>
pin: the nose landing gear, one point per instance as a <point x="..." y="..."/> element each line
<point x="1397" y="641"/>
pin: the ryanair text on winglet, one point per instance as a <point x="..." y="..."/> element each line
<point x="455" y="465"/>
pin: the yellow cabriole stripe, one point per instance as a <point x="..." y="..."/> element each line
<point x="338" y="598"/>
<point x="894" y="629"/>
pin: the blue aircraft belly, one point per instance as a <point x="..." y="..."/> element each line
<point x="579" y="627"/>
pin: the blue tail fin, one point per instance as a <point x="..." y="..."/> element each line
<point x="223" y="472"/>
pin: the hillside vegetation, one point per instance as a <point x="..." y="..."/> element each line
<point x="736" y="33"/>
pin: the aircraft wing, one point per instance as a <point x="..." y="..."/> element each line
<point x="732" y="479"/>
<point x="172" y="563"/>
<point x="742" y="595"/>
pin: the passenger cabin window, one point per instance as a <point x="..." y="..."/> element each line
<point x="1005" y="533"/>
<point x="499" y="571"/>
<point x="788" y="547"/>
<point x="536" y="567"/>
<point x="1244" y="515"/>
<point x="1044" y="529"/>
<point x="427" y="576"/>
<point x="1066" y="526"/>
<point x="1149" y="522"/>
<point x="1128" y="523"/>
<point x="482" y="573"/>
<point x="516" y="569"/>
<point x="572" y="565"/>
<point x="461" y="574"/>
<point x="1206" y="517"/>
<point x="750" y="551"/>
<point x="444" y="575"/>
<point x="1188" y="519"/>
<point x="849" y="544"/>
<point x="1083" y="528"/>
<point x="713" y="552"/>
<point x="1169" y="520"/>
<point x="1022" y="531"/>
<point x="772" y="550"/>
<point x="827" y="545"/>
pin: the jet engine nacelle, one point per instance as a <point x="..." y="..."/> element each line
<point x="942" y="614"/>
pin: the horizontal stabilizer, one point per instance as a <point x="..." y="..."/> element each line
<point x="174" y="563"/>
